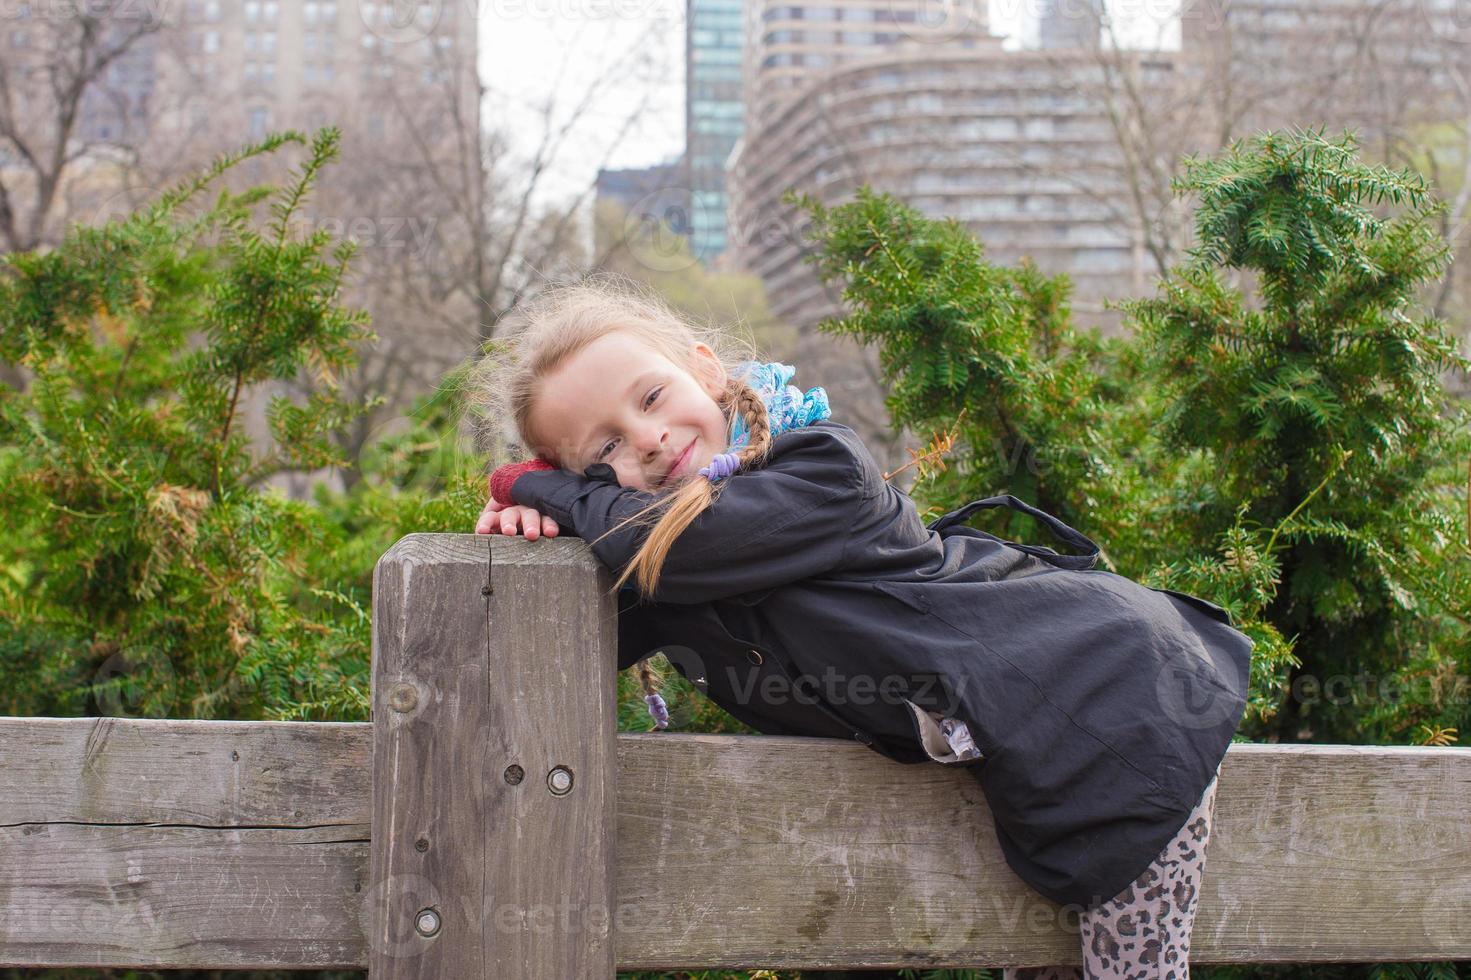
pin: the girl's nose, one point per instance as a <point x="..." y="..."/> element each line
<point x="651" y="443"/>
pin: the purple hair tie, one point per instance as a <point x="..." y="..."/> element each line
<point x="658" y="710"/>
<point x="721" y="466"/>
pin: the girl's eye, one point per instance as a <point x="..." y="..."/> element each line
<point x="653" y="396"/>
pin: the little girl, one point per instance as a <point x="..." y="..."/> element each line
<point x="758" y="545"/>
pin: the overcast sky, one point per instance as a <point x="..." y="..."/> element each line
<point x="534" y="49"/>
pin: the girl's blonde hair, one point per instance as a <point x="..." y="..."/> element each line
<point x="561" y="321"/>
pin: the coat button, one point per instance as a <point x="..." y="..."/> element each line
<point x="754" y="657"/>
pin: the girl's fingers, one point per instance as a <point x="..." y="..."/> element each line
<point x="486" y="521"/>
<point x="508" y="518"/>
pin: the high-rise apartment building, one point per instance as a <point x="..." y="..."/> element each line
<point x="1017" y="143"/>
<point x="1004" y="141"/>
<point x="399" y="78"/>
<point x="788" y="43"/>
<point x="1378" y="65"/>
<point x="713" y="116"/>
<point x="631" y="187"/>
<point x="1069" y="23"/>
<point x="252" y="66"/>
<point x="744" y="59"/>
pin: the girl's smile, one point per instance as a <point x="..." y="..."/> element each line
<point x="679" y="468"/>
<point x="621" y="402"/>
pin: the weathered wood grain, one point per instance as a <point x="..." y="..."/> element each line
<point x="236" y="845"/>
<point x="776" y="852"/>
<point x="494" y="672"/>
<point x="733" y="851"/>
<point x="189" y="844"/>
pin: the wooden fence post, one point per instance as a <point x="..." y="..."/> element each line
<point x="494" y="761"/>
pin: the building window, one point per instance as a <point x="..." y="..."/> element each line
<point x="259" y="120"/>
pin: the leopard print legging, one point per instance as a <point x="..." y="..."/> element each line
<point x="1143" y="932"/>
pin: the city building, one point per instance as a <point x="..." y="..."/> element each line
<point x="631" y="188"/>
<point x="713" y="116"/>
<point x="1007" y="142"/>
<point x="251" y="67"/>
<point x="787" y="44"/>
<point x="1069" y="23"/>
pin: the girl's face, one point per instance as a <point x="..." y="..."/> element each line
<point x="618" y="401"/>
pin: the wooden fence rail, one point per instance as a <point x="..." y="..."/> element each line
<point x="490" y="823"/>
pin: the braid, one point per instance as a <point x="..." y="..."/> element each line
<point x="646" y="677"/>
<point x="752" y="408"/>
<point x="657" y="708"/>
<point x="682" y="506"/>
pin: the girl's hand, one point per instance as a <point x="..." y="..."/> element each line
<point x="510" y="518"/>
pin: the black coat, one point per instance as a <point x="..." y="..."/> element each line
<point x="810" y="600"/>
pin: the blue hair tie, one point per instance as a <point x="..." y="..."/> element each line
<point x="721" y="466"/>
<point x="658" y="711"/>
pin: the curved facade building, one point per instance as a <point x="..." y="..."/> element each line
<point x="1007" y="142"/>
<point x="788" y="43"/>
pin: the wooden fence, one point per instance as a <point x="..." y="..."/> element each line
<point x="490" y="823"/>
